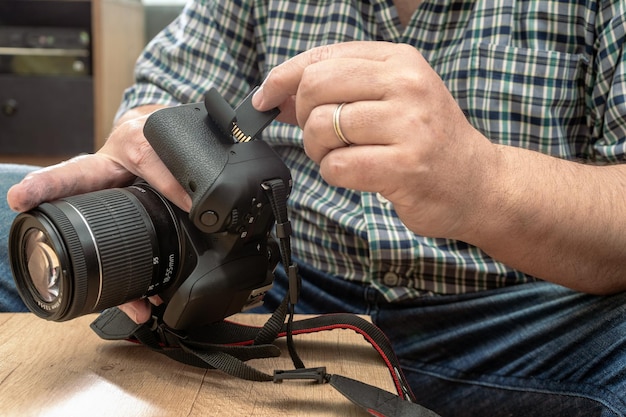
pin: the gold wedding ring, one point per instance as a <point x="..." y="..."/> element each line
<point x="337" y="125"/>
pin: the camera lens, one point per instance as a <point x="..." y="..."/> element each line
<point x="43" y="264"/>
<point x="85" y="253"/>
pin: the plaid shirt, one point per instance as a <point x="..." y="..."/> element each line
<point x="546" y="75"/>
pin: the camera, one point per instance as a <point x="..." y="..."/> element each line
<point x="89" y="252"/>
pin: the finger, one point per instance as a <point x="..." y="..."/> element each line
<point x="78" y="175"/>
<point x="319" y="138"/>
<point x="139" y="158"/>
<point x="361" y="123"/>
<point x="365" y="168"/>
<point x="341" y="80"/>
<point x="283" y="81"/>
<point x="138" y="311"/>
<point x="131" y="150"/>
<point x="288" y="112"/>
<point x="156" y="300"/>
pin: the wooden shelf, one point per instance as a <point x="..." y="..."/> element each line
<point x="118" y="27"/>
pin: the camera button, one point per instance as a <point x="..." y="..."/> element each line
<point x="209" y="218"/>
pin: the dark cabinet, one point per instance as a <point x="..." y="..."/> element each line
<point x="63" y="67"/>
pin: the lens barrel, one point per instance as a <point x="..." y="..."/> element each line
<point x="85" y="253"/>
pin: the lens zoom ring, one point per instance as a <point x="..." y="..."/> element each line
<point x="121" y="233"/>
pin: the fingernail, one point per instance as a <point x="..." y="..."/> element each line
<point x="187" y="203"/>
<point x="257" y="98"/>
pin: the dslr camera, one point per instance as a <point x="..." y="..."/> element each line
<point x="89" y="252"/>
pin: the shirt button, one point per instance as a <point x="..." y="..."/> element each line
<point x="391" y="279"/>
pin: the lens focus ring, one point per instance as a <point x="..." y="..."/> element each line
<point x="123" y="239"/>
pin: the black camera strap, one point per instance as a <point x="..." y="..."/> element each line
<point x="226" y="345"/>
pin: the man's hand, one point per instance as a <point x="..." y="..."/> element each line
<point x="125" y="156"/>
<point x="412" y="143"/>
<point x="551" y="218"/>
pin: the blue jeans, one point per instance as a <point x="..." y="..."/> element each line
<point x="536" y="349"/>
<point x="9" y="174"/>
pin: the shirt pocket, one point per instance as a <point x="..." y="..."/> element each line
<point x="527" y="98"/>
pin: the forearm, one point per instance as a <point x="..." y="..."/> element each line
<point x="558" y="220"/>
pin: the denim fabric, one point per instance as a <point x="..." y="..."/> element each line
<point x="534" y="349"/>
<point x="9" y="299"/>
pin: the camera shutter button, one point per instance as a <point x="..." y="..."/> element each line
<point x="209" y="218"/>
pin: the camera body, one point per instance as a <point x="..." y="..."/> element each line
<point x="230" y="211"/>
<point x="85" y="253"/>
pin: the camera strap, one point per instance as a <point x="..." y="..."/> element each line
<point x="226" y="345"/>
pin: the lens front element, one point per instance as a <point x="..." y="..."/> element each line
<point x="43" y="264"/>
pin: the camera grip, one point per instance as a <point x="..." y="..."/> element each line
<point x="222" y="176"/>
<point x="190" y="145"/>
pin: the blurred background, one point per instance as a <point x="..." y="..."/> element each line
<point x="64" y="65"/>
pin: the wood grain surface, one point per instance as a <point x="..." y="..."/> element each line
<point x="64" y="369"/>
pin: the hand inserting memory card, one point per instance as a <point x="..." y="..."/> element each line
<point x="245" y="122"/>
<point x="209" y="148"/>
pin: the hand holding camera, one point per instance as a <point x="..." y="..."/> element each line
<point x="89" y="252"/>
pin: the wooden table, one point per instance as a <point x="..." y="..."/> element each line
<point x="64" y="369"/>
